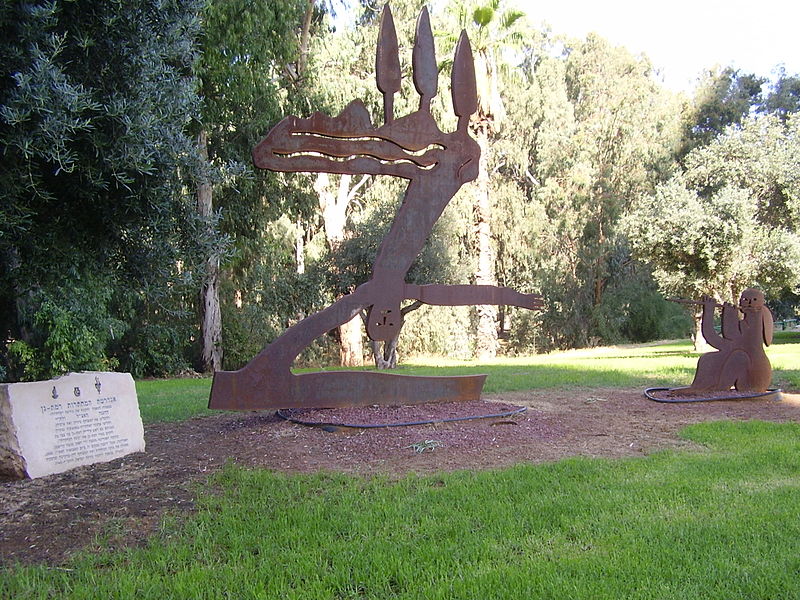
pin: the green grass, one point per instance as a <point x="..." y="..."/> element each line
<point x="664" y="364"/>
<point x="719" y="523"/>
<point x="784" y="354"/>
<point x="661" y="364"/>
<point x="173" y="399"/>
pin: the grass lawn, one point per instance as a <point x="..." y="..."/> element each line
<point x="720" y="523"/>
<point x="173" y="399"/>
<point x="716" y="524"/>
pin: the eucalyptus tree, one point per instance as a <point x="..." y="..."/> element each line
<point x="252" y="71"/>
<point x="723" y="97"/>
<point x="496" y="32"/>
<point x="783" y="98"/>
<point x="351" y="265"/>
<point x="346" y="61"/>
<point x="98" y="238"/>
<point x="604" y="133"/>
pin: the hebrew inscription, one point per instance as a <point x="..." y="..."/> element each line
<point x="80" y="419"/>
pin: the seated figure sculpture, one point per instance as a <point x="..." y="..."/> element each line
<point x="436" y="164"/>
<point x="740" y="361"/>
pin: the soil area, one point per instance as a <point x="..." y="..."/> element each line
<point x="122" y="502"/>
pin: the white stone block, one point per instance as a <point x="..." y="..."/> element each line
<point x="52" y="426"/>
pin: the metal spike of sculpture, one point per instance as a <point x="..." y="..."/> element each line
<point x="740" y="361"/>
<point x="436" y="164"/>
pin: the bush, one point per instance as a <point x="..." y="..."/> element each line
<point x="157" y="349"/>
<point x="69" y="332"/>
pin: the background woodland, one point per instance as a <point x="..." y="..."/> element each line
<point x="136" y="235"/>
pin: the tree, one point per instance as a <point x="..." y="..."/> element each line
<point x="97" y="234"/>
<point x="784" y="96"/>
<point x="723" y="97"/>
<point x="347" y="60"/>
<point x="252" y="71"/>
<point x="351" y="261"/>
<point x="603" y="133"/>
<point x="761" y="156"/>
<point x="494" y="30"/>
<point x="730" y="220"/>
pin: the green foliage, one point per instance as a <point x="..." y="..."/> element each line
<point x="94" y="178"/>
<point x="263" y="299"/>
<point x="723" y="98"/>
<point x="730" y="220"/>
<point x="600" y="132"/>
<point x="71" y="330"/>
<point x="156" y="349"/>
<point x="351" y="260"/>
<point x="273" y="306"/>
<point x="437" y="330"/>
<point x="248" y="54"/>
<point x="70" y="344"/>
<point x="634" y="310"/>
<point x="23" y="362"/>
<point x="101" y="244"/>
<point x="760" y="156"/>
<point x="253" y="70"/>
<point x="784" y="96"/>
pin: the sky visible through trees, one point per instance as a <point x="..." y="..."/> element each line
<point x="682" y="38"/>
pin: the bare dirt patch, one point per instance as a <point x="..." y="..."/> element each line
<point x="122" y="502"/>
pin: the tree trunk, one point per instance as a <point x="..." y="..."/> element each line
<point x="300" y="248"/>
<point x="210" y="315"/>
<point x="334" y="218"/>
<point x="351" y="348"/>
<point x="700" y="344"/>
<point x="305" y="35"/>
<point x="487" y="342"/>
<point x="386" y="358"/>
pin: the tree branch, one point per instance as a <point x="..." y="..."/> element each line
<point x="356" y="187"/>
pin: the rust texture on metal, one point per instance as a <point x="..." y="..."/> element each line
<point x="740" y="361"/>
<point x="436" y="164"/>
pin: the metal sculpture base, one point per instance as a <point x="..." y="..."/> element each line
<point x="233" y="390"/>
<point x="694" y="396"/>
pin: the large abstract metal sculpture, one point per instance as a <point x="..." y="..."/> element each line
<point x="740" y="361"/>
<point x="436" y="164"/>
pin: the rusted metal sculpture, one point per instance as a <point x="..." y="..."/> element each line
<point x="740" y="361"/>
<point x="436" y="164"/>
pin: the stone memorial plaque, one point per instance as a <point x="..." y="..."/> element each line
<point x="82" y="418"/>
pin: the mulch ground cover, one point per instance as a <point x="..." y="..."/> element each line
<point x="122" y="502"/>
